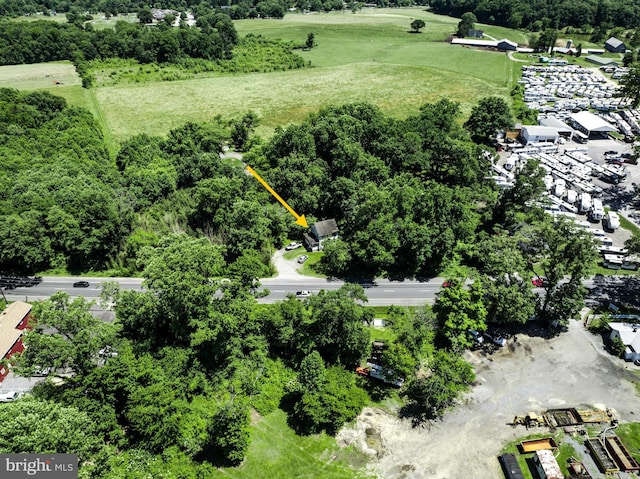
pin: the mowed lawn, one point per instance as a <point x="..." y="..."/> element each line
<point x="51" y="76"/>
<point x="369" y="56"/>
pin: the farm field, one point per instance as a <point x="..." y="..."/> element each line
<point x="366" y="57"/>
<point x="40" y="76"/>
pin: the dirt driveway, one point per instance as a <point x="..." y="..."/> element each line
<point x="531" y="375"/>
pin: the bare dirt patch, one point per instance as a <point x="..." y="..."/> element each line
<point x="533" y="374"/>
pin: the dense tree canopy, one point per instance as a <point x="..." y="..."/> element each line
<point x="538" y="14"/>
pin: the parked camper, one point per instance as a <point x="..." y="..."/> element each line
<point x="611" y="221"/>
<point x="572" y="196"/>
<point x="604" y="240"/>
<point x="585" y="203"/>
<point x="597" y="210"/>
<point x="559" y="188"/>
<point x="511" y="162"/>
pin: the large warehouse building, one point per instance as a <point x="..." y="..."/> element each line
<point x="591" y="125"/>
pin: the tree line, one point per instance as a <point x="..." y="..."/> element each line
<point x="539" y="15"/>
<point x="236" y="9"/>
<point x="44" y="41"/>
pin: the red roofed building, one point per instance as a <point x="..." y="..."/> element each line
<point x="13" y="320"/>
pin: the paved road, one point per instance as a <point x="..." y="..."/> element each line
<point x="380" y="292"/>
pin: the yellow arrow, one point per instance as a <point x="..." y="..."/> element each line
<point x="300" y="220"/>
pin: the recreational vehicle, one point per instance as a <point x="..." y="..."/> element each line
<point x="611" y="221"/>
<point x="585" y="203"/>
<point x="597" y="210"/>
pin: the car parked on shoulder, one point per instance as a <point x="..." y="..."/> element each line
<point x="292" y="246"/>
<point x="303" y="258"/>
<point x="81" y="284"/>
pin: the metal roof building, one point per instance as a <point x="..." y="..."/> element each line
<point x="561" y="126"/>
<point x="589" y="124"/>
<point x="601" y="61"/>
<point x="615" y="46"/>
<point x="539" y="134"/>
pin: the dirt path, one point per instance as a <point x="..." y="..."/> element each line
<point x="531" y="375"/>
<point x="512" y="58"/>
<point x="287" y="268"/>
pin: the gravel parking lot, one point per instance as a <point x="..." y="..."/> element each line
<point x="532" y="374"/>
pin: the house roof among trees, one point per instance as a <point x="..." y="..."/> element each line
<point x="326" y="227"/>
<point x="10" y="318"/>
<point x="14" y="314"/>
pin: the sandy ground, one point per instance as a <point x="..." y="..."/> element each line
<point x="533" y="374"/>
<point x="287" y="268"/>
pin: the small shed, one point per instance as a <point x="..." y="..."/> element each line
<point x="475" y="33"/>
<point x="614" y="45"/>
<point x="539" y="134"/>
<point x="546" y="465"/>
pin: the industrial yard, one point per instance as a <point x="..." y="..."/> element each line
<point x="571" y="372"/>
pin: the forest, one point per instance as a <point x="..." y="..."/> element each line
<point x="538" y="15"/>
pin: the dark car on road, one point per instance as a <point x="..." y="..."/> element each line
<point x="81" y="284"/>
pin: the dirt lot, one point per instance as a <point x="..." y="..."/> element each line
<point x="531" y="375"/>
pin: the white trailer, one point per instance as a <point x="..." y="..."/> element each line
<point x="585" y="203"/>
<point x="597" y="210"/>
<point x="611" y="221"/>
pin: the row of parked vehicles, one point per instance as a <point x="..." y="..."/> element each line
<point x="12" y="282"/>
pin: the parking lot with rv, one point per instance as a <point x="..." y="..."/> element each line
<point x="592" y="184"/>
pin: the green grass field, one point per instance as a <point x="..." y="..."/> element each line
<point x="40" y="76"/>
<point x="365" y="57"/>
<point x="277" y="452"/>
